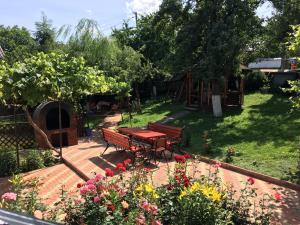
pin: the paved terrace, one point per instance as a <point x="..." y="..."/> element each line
<point x="84" y="157"/>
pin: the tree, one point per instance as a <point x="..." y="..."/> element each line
<point x="45" y="34"/>
<point x="16" y="43"/>
<point x="294" y="48"/>
<point x="294" y="40"/>
<point x="52" y="77"/>
<point x="212" y="37"/>
<point x="122" y="63"/>
<point x="271" y="42"/>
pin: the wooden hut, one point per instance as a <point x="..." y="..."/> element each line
<point x="198" y="93"/>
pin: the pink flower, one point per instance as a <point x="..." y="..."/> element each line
<point x="91" y="187"/>
<point x="78" y="201"/>
<point x="9" y="196"/>
<point x="140" y="219"/>
<point x="216" y="164"/>
<point x="251" y="180"/>
<point x="277" y="196"/>
<point x="90" y="182"/>
<point x="99" y="177"/>
<point x="144" y="205"/>
<point x="109" y="172"/>
<point x="147" y="170"/>
<point x="83" y="191"/>
<point x="96" y="199"/>
<point x="156" y="222"/>
<point x="153" y="209"/>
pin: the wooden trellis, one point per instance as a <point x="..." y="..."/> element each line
<point x="17" y="135"/>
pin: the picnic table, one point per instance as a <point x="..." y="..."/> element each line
<point x="156" y="140"/>
<point x="142" y="134"/>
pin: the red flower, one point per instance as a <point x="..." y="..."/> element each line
<point x="180" y="159"/>
<point x="187" y="156"/>
<point x="251" y="180"/>
<point x="79" y="185"/>
<point x="111" y="207"/>
<point x="186" y="181"/>
<point x="127" y="162"/>
<point x="169" y="187"/>
<point x="120" y="167"/>
<point x="147" y="170"/>
<point x="277" y="196"/>
<point x="109" y="172"/>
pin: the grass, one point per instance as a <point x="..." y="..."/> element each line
<point x="153" y="110"/>
<point x="265" y="134"/>
<point x="93" y="121"/>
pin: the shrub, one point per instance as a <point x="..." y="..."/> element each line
<point x="8" y="163"/>
<point x="206" y="142"/>
<point x="186" y="139"/>
<point x="255" y="81"/>
<point x="48" y="158"/>
<point x="184" y="200"/>
<point x="23" y="197"/>
<point x="229" y="154"/>
<point x="34" y="160"/>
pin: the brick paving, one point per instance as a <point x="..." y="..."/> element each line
<point x="85" y="157"/>
<point x="51" y="181"/>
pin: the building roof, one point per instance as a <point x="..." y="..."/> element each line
<point x="266" y="63"/>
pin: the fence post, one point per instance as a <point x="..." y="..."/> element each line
<point x="17" y="140"/>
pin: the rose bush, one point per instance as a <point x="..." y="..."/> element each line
<point x="186" y="199"/>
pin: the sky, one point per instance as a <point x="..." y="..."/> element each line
<point x="108" y="13"/>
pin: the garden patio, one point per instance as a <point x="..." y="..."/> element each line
<point x="85" y="163"/>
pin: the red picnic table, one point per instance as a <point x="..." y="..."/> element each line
<point x="149" y="136"/>
<point x="143" y="134"/>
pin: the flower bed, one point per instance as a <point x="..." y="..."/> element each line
<point x="186" y="199"/>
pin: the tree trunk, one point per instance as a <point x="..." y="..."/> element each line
<point x="216" y="99"/>
<point x="37" y="129"/>
<point x="138" y="98"/>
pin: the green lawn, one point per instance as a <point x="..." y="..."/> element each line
<point x="265" y="134"/>
<point x="153" y="110"/>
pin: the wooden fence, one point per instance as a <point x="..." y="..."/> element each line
<point x="19" y="135"/>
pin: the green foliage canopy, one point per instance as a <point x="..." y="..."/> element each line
<point x="54" y="77"/>
<point x="16" y="43"/>
<point x="122" y="63"/>
<point x="45" y="34"/>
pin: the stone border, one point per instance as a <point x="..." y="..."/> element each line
<point x="75" y="169"/>
<point x="253" y="174"/>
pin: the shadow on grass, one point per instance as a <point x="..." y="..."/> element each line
<point x="268" y="122"/>
<point x="152" y="111"/>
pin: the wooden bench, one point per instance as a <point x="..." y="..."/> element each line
<point x="120" y="142"/>
<point x="174" y="134"/>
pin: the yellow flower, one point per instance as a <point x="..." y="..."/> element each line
<point x="211" y="193"/>
<point x="149" y="188"/>
<point x="139" y="190"/>
<point x="183" y="193"/>
<point x="155" y="195"/>
<point x="196" y="187"/>
<point x="125" y="204"/>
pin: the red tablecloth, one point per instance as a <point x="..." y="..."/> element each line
<point x="142" y="133"/>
